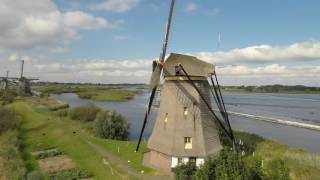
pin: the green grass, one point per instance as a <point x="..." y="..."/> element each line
<point x="97" y="93"/>
<point x="11" y="163"/>
<point x="42" y="130"/>
<point x="126" y="152"/>
<point x="302" y="164"/>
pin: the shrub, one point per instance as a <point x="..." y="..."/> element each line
<point x="84" y="113"/>
<point x="8" y="119"/>
<point x="111" y="125"/>
<point x="185" y="171"/>
<point x="71" y="174"/>
<point x="207" y="170"/>
<point x="230" y="165"/>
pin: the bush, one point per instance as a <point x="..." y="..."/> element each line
<point x="230" y="165"/>
<point x="185" y="171"/>
<point x="84" y="113"/>
<point x="207" y="170"/>
<point x="71" y="174"/>
<point x="111" y="125"/>
<point x="8" y="119"/>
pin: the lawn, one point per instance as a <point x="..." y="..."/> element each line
<point x="42" y="130"/>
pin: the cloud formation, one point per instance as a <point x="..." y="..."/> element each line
<point x="303" y="51"/>
<point x="26" y="25"/>
<point x="117" y="6"/>
<point x="139" y="70"/>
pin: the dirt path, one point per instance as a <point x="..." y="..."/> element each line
<point x="120" y="164"/>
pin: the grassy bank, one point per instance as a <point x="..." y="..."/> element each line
<point x="97" y="93"/>
<point x="302" y="164"/>
<point x="42" y="129"/>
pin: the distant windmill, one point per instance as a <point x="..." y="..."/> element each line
<point x="23" y="88"/>
<point x="23" y="83"/>
<point x="187" y="128"/>
<point x="4" y="83"/>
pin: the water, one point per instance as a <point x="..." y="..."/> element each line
<point x="293" y="107"/>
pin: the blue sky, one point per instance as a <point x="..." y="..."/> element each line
<point x="241" y="24"/>
<point x="259" y="39"/>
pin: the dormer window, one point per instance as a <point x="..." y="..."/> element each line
<point x="185" y="111"/>
<point x="166" y="118"/>
<point x="187" y="143"/>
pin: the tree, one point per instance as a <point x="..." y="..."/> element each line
<point x="111" y="125"/>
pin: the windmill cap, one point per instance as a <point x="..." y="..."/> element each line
<point x="192" y="65"/>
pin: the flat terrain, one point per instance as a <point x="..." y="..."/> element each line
<point x="98" y="93"/>
<point x="42" y="130"/>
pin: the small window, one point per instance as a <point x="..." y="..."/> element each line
<point x="166" y="118"/>
<point x="185" y="111"/>
<point x="192" y="159"/>
<point x="187" y="143"/>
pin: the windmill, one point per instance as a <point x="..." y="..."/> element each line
<point x="23" y="83"/>
<point x="23" y="88"/>
<point x="187" y="128"/>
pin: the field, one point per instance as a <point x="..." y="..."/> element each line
<point x="42" y="130"/>
<point x="98" y="93"/>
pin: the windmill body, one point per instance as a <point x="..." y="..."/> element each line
<point x="184" y="130"/>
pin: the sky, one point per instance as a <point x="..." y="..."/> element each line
<point x="115" y="41"/>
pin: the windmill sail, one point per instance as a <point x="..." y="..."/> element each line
<point x="155" y="78"/>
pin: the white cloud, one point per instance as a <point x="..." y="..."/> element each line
<point x="191" y="7"/>
<point x="118" y="6"/>
<point x="26" y="25"/>
<point x="81" y="20"/>
<point x="303" y="51"/>
<point x="290" y="72"/>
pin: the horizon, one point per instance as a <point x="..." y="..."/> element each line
<point x="114" y="41"/>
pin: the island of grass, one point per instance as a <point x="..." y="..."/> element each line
<point x="103" y="93"/>
<point x="43" y="129"/>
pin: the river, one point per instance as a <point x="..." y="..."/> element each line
<point x="293" y="107"/>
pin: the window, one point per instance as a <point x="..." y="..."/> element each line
<point x="187" y="143"/>
<point x="179" y="161"/>
<point x="185" y="111"/>
<point x="166" y="118"/>
<point x="192" y="159"/>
